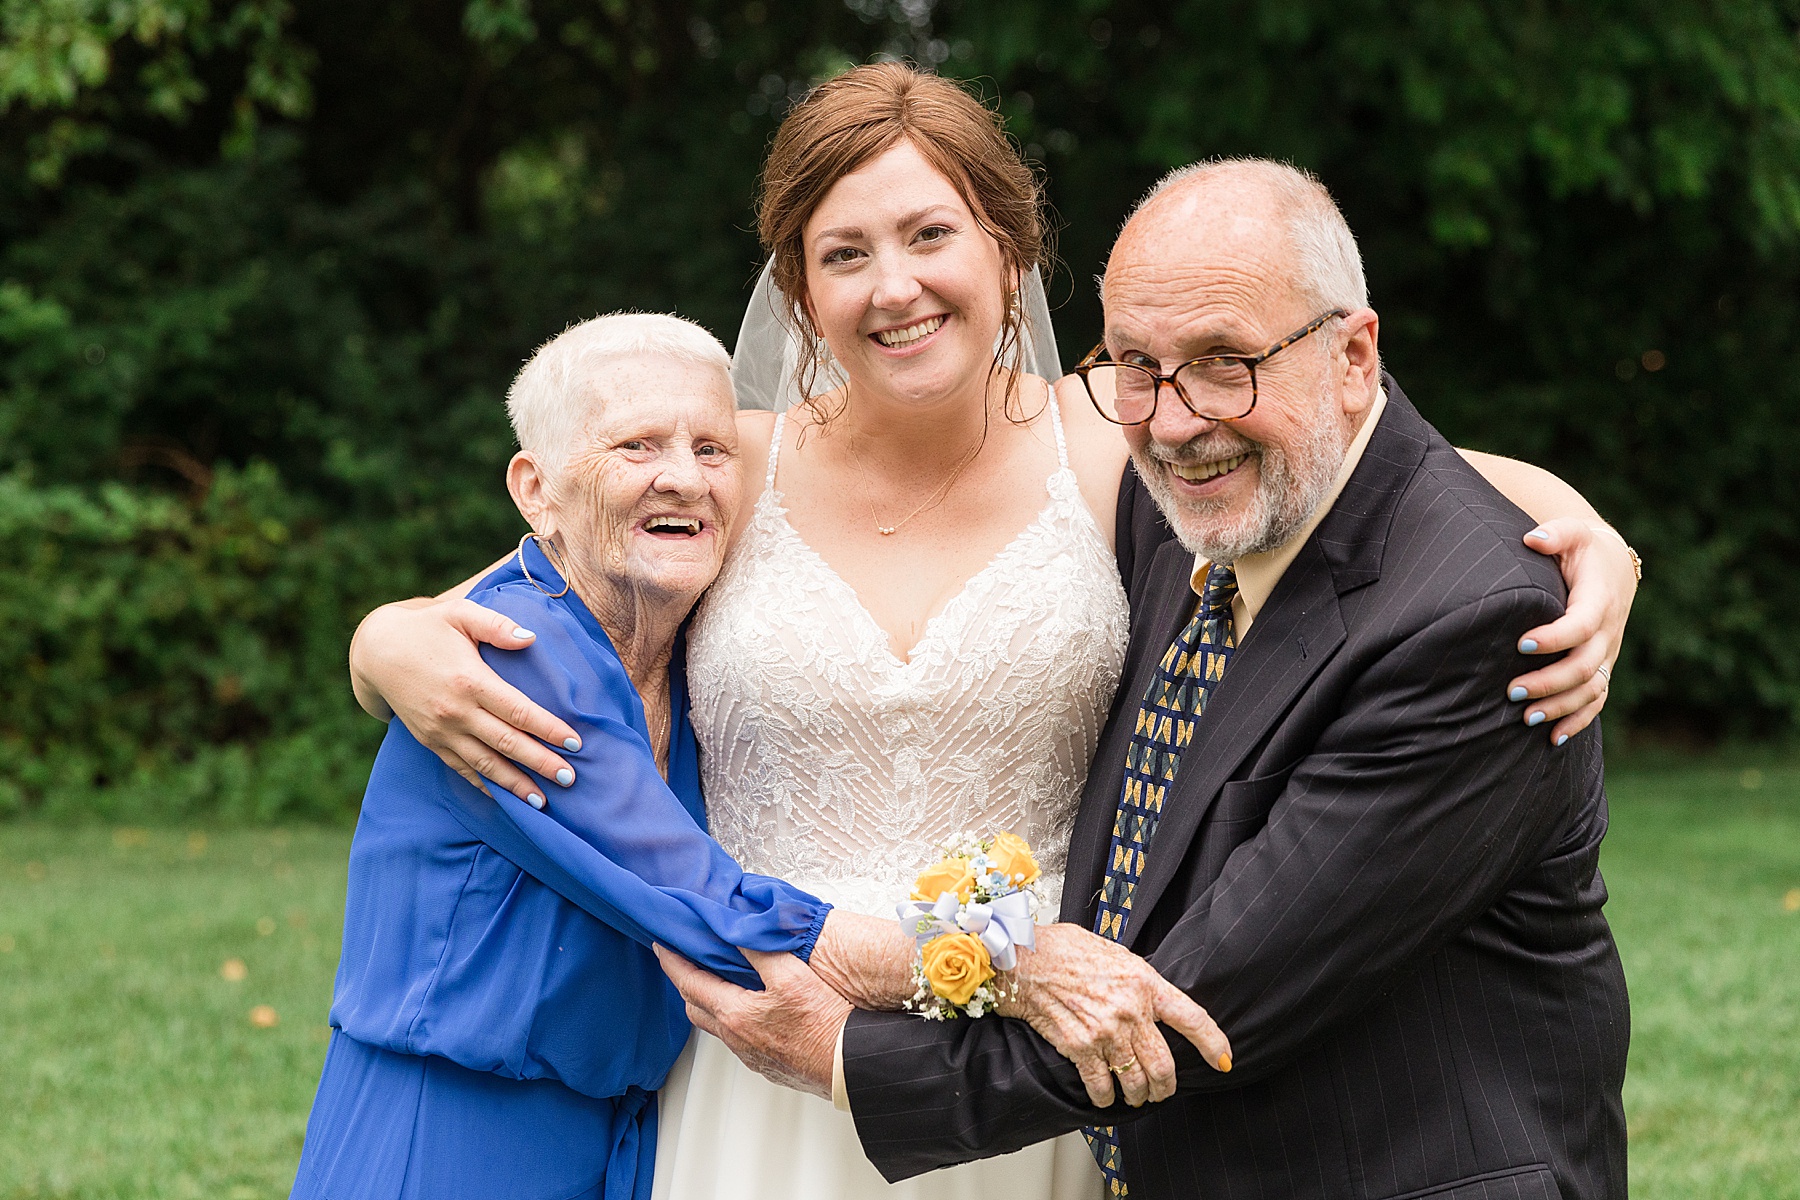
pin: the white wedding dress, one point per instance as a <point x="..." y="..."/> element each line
<point x="831" y="763"/>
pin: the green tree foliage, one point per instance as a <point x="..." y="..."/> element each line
<point x="266" y="269"/>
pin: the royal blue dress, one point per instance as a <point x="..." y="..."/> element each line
<point x="500" y="1025"/>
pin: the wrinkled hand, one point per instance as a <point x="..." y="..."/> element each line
<point x="1602" y="585"/>
<point x="787" y="1033"/>
<point x="867" y="960"/>
<point x="1099" y="1004"/>
<point x="422" y="660"/>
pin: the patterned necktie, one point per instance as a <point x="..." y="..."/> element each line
<point x="1172" y="705"/>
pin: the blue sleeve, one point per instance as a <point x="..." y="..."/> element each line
<point x="619" y="844"/>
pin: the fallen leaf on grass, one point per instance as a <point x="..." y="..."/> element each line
<point x="233" y="970"/>
<point x="1791" y="901"/>
<point x="264" y="1017"/>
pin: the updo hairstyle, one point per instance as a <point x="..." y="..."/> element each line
<point x="853" y="119"/>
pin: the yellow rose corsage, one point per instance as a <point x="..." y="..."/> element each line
<point x="956" y="965"/>
<point x="968" y="913"/>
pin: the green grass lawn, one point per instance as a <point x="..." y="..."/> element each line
<point x="132" y="1066"/>
<point x="129" y="1066"/>
<point x="1704" y="870"/>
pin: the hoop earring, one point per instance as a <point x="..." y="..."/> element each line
<point x="544" y="549"/>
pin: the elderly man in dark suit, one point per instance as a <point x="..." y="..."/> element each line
<point x="1315" y="809"/>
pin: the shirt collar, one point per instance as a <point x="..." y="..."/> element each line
<point x="1257" y="574"/>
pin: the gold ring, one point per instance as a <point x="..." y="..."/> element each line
<point x="1124" y="1066"/>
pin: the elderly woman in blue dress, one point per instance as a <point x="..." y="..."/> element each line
<point x="500" y="1024"/>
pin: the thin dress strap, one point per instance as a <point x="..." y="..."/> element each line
<point x="1062" y="447"/>
<point x="775" y="452"/>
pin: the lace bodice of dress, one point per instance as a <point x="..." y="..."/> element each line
<point x="833" y="764"/>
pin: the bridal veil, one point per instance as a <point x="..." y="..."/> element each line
<point x="768" y="347"/>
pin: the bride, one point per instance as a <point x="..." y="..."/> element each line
<point x="920" y="627"/>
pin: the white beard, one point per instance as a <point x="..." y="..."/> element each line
<point x="1291" y="484"/>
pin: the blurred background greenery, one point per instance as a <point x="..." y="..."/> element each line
<point x="266" y="268"/>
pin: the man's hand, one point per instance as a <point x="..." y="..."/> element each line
<point x="420" y="660"/>
<point x="787" y="1033"/>
<point x="1098" y="1004"/>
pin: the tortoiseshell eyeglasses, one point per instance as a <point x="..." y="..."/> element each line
<point x="1214" y="387"/>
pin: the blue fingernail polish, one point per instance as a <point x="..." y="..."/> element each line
<point x="565" y="777"/>
<point x="1563" y="738"/>
<point x="536" y="801"/>
<point x="1541" y="535"/>
<point x="1536" y="718"/>
<point x="1517" y="694"/>
<point x="571" y="744"/>
<point x="521" y="632"/>
<point x="1528" y="646"/>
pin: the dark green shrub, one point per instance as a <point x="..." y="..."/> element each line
<point x="265" y="273"/>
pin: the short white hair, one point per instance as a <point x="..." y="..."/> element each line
<point x="1328" y="264"/>
<point x="550" y="401"/>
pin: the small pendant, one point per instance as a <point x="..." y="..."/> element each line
<point x="886" y="530"/>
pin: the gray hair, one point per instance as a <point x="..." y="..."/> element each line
<point x="550" y="401"/>
<point x="1330" y="269"/>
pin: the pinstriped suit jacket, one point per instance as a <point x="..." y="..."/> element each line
<point x="1382" y="885"/>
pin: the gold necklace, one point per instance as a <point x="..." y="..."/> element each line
<point x="932" y="501"/>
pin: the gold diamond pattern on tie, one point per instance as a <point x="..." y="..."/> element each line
<point x="1172" y="704"/>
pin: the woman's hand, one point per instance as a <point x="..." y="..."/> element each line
<point x="1098" y="1004"/>
<point x="419" y="659"/>
<point x="1602" y="583"/>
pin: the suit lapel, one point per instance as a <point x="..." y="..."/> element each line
<point x="1165" y="604"/>
<point x="1297" y="632"/>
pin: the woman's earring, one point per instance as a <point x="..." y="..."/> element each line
<point x="547" y="549"/>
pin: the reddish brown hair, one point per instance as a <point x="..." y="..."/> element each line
<point x="849" y="121"/>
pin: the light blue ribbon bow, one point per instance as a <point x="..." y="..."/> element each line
<point x="1002" y="926"/>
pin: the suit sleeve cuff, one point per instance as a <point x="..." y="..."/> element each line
<point x="840" y="1092"/>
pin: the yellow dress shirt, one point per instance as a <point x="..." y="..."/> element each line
<point x="1257" y="574"/>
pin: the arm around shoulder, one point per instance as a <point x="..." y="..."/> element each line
<point x="1097" y="452"/>
<point x="420" y="660"/>
<point x="1543" y="495"/>
<point x="1602" y="572"/>
<point x="617" y="841"/>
